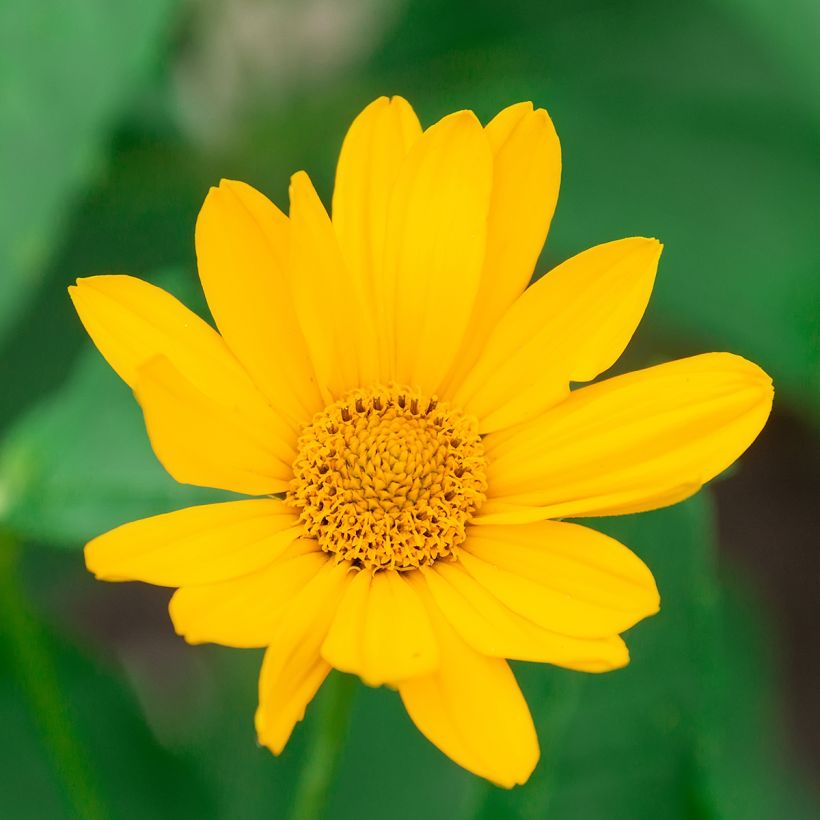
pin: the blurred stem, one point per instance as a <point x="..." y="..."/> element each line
<point x="33" y="665"/>
<point x="325" y="748"/>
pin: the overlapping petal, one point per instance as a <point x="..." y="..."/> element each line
<point x="284" y="697"/>
<point x="243" y="247"/>
<point x="627" y="444"/>
<point x="526" y="178"/>
<point x="472" y="708"/>
<point x="247" y="611"/>
<point x="372" y="154"/>
<point x="178" y="362"/>
<point x="571" y="325"/>
<point x="210" y="443"/>
<point x="434" y="247"/>
<point x="381" y="631"/>
<point x="133" y="322"/>
<point x="293" y="669"/>
<point x="564" y="577"/>
<point x="197" y="545"/>
<point x="492" y="628"/>
<point x="330" y="305"/>
<point x="548" y="591"/>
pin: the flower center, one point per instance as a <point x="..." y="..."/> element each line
<point x="387" y="478"/>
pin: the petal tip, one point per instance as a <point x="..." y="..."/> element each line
<point x="82" y="282"/>
<point x="521" y="109"/>
<point x="755" y="373"/>
<point x="460" y="119"/>
<point x="650" y="245"/>
<point x="271" y="742"/>
<point x="177" y="621"/>
<point x="92" y="559"/>
<point x="233" y="187"/>
<point x="542" y="117"/>
<point x="300" y="186"/>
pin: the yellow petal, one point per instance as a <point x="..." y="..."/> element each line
<point x="371" y="156"/>
<point x="381" y="631"/>
<point x="548" y="607"/>
<point x="498" y="511"/>
<point x="293" y="669"/>
<point x="197" y="545"/>
<point x="526" y="178"/>
<point x="472" y="709"/>
<point x="567" y="578"/>
<point x="283" y="698"/>
<point x="329" y="303"/>
<point x="631" y="443"/>
<point x="492" y="628"/>
<point x="246" y="611"/>
<point x="242" y="247"/>
<point x="434" y="247"/>
<point x="202" y="442"/>
<point x="132" y="322"/>
<point x="571" y="325"/>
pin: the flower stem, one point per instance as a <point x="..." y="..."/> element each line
<point x="37" y="677"/>
<point x="324" y="748"/>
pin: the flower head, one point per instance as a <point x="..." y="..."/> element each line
<point x="398" y="402"/>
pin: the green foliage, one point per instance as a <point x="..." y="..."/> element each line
<point x="66" y="71"/>
<point x="76" y="743"/>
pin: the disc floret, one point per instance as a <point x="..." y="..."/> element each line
<point x="388" y="478"/>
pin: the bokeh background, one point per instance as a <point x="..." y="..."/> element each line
<point x="695" y="122"/>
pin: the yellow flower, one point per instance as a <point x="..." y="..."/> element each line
<point x="400" y="403"/>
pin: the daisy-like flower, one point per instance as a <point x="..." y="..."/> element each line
<point x="398" y="402"/>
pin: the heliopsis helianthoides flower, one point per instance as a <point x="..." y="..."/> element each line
<point x="398" y="402"/>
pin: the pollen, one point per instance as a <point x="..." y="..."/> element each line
<point x="388" y="478"/>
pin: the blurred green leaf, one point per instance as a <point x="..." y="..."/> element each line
<point x="66" y="72"/>
<point x="81" y="463"/>
<point x="789" y="28"/>
<point x="390" y="769"/>
<point x="686" y="730"/>
<point x="385" y="762"/>
<point x="76" y="742"/>
<point x="748" y="773"/>
<point x="210" y="725"/>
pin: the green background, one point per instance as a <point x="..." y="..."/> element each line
<point x="695" y="122"/>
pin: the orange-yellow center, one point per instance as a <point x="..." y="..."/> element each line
<point x="388" y="478"/>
